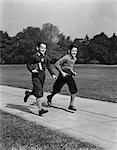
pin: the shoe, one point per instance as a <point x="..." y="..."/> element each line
<point x="72" y="108"/>
<point x="49" y="100"/>
<point x="27" y="94"/>
<point x="42" y="111"/>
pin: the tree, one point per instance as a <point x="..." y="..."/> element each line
<point x="18" y="49"/>
<point x="50" y="32"/>
<point x="113" y="50"/>
<point x="5" y="46"/>
<point x="98" y="49"/>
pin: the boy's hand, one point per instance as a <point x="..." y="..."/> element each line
<point x="74" y="73"/>
<point x="64" y="74"/>
<point x="54" y="76"/>
<point x="35" y="71"/>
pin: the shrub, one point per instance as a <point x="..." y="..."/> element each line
<point x="94" y="62"/>
<point x="20" y="59"/>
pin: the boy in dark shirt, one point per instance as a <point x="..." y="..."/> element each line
<point x="66" y="73"/>
<point x="37" y="65"/>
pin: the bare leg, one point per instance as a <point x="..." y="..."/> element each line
<point x="71" y="106"/>
<point x="39" y="105"/>
<point x="38" y="100"/>
<point x="72" y="99"/>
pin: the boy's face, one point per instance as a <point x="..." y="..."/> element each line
<point x="74" y="51"/>
<point x="42" y="48"/>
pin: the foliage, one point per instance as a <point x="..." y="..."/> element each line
<point x="17" y="133"/>
<point x="94" y="62"/>
<point x="100" y="47"/>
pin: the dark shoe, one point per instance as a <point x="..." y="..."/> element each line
<point x="27" y="94"/>
<point x="72" y="108"/>
<point x="42" y="111"/>
<point x="49" y="100"/>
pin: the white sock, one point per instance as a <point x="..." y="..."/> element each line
<point x="39" y="105"/>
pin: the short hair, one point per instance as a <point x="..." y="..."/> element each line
<point x="39" y="43"/>
<point x="73" y="45"/>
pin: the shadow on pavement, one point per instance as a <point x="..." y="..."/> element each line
<point x="62" y="109"/>
<point x="20" y="107"/>
<point x="26" y="109"/>
<point x="56" y="107"/>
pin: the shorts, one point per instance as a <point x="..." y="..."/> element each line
<point x="38" y="83"/>
<point x="59" y="83"/>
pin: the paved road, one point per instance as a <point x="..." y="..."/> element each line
<point x="95" y="121"/>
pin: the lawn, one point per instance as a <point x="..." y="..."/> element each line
<point x="20" y="134"/>
<point x="93" y="81"/>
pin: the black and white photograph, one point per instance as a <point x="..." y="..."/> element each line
<point x="58" y="74"/>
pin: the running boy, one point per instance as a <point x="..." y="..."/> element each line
<point x="37" y="65"/>
<point x="66" y="73"/>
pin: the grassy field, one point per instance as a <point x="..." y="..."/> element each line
<point x="93" y="81"/>
<point x="19" y="134"/>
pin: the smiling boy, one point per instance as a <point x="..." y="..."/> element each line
<point x="65" y="67"/>
<point x="37" y="65"/>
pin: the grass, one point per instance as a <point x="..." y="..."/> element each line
<point x="20" y="134"/>
<point x="98" y="82"/>
<point x="93" y="81"/>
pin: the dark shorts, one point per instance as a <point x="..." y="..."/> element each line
<point x="38" y="83"/>
<point x="59" y="83"/>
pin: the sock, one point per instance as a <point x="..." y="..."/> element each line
<point x="39" y="105"/>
